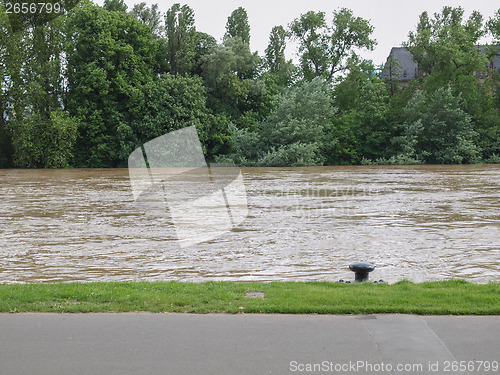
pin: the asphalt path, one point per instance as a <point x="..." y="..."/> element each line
<point x="144" y="343"/>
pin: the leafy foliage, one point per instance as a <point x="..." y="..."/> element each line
<point x="362" y="128"/>
<point x="45" y="143"/>
<point x="445" y="46"/>
<point x="172" y="103"/>
<point x="494" y="26"/>
<point x="446" y="49"/>
<point x="115" y="5"/>
<point x="181" y="39"/>
<point x="151" y="16"/>
<point x="228" y="71"/>
<point x="7" y="67"/>
<point x="437" y="130"/>
<point x="110" y="58"/>
<point x="88" y="87"/>
<point x="237" y="26"/>
<point x="275" y="61"/>
<point x="325" y="49"/>
<point x="294" y="133"/>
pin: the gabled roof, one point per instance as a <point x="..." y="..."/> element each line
<point x="400" y="65"/>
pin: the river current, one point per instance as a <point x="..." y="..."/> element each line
<point x="412" y="222"/>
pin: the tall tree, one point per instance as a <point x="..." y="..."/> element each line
<point x="392" y="71"/>
<point x="324" y="50"/>
<point x="229" y="70"/>
<point x="151" y="16"/>
<point x="361" y="129"/>
<point x="237" y="26"/>
<point x="115" y="5"/>
<point x="447" y="49"/>
<point x="181" y="39"/>
<point x="204" y="44"/>
<point x="494" y="27"/>
<point x="275" y="51"/>
<point x="6" y="44"/>
<point x="110" y="58"/>
<point x="42" y="134"/>
<point x="279" y="69"/>
<point x="174" y="102"/>
<point x="446" y="46"/>
<point x="310" y="31"/>
<point x="41" y="142"/>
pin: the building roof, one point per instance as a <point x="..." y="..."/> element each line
<point x="400" y="65"/>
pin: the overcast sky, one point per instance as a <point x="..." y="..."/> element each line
<point x="392" y="19"/>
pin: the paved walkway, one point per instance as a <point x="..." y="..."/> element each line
<point x="179" y="344"/>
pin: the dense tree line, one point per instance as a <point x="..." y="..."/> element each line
<point x="86" y="88"/>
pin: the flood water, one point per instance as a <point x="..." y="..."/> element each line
<point x="414" y="222"/>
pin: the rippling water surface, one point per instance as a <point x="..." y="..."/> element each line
<point x="416" y="222"/>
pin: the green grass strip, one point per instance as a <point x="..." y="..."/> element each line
<point x="456" y="297"/>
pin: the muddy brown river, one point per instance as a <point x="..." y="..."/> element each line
<point x="413" y="222"/>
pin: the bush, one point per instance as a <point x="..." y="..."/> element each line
<point x="297" y="154"/>
<point x="44" y="143"/>
<point x="437" y="130"/>
<point x="294" y="134"/>
<point x="493" y="159"/>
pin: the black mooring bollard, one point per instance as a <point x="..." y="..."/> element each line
<point x="361" y="271"/>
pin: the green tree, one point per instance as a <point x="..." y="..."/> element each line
<point x="172" y="103"/>
<point x="275" y="61"/>
<point x="229" y="71"/>
<point x="392" y="72"/>
<point x="41" y="142"/>
<point x="115" y="5"/>
<point x="151" y="16"/>
<point x="237" y="26"/>
<point x="324" y="50"/>
<point x="494" y="50"/>
<point x="446" y="47"/>
<point x="42" y="70"/>
<point x="437" y="130"/>
<point x="294" y="134"/>
<point x="181" y="38"/>
<point x="40" y="133"/>
<point x="204" y="44"/>
<point x="494" y="27"/>
<point x="6" y="50"/>
<point x="110" y="58"/>
<point x="375" y="131"/>
<point x="245" y="63"/>
<point x="347" y="89"/>
<point x="275" y="51"/>
<point x="224" y="89"/>
<point x="311" y="31"/>
<point x="362" y="128"/>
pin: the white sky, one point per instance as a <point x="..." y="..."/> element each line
<point x="392" y="19"/>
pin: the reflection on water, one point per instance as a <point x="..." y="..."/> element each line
<point x="418" y="222"/>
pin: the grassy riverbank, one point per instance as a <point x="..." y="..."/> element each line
<point x="439" y="298"/>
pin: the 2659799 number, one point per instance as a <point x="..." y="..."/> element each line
<point x="32" y="8"/>
<point x="470" y="366"/>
